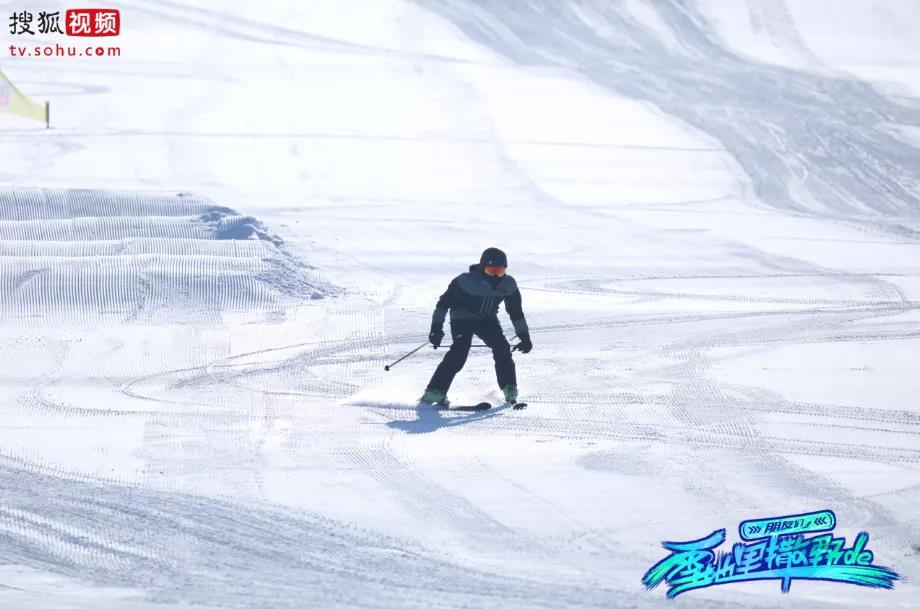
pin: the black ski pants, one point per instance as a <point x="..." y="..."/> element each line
<point x="461" y="332"/>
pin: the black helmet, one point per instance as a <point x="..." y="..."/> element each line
<point x="493" y="257"/>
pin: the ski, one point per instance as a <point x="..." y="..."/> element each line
<point x="445" y="405"/>
<point x="487" y="406"/>
<point x="479" y="406"/>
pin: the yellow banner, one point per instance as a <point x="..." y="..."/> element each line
<point x="12" y="100"/>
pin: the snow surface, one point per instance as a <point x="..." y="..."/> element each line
<point x="206" y="263"/>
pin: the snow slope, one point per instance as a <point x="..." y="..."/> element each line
<point x="127" y="256"/>
<point x="714" y="223"/>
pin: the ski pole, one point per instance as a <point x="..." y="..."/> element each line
<point x="387" y="367"/>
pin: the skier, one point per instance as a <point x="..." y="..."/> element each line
<point x="472" y="299"/>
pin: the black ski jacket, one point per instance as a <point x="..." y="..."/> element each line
<point x="472" y="296"/>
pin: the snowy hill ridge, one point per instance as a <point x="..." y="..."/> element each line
<point x="139" y="256"/>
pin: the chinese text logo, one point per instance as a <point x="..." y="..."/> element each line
<point x="771" y="548"/>
<point x="77" y="22"/>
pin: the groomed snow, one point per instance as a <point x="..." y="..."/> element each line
<point x="207" y="262"/>
<point x="124" y="256"/>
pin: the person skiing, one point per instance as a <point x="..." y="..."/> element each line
<point x="472" y="299"/>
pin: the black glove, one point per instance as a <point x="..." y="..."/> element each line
<point x="435" y="336"/>
<point x="524" y="346"/>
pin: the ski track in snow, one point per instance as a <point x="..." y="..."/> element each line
<point x="194" y="414"/>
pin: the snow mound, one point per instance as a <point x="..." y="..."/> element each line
<point x="139" y="256"/>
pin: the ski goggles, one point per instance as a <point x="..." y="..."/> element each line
<point x="494" y="271"/>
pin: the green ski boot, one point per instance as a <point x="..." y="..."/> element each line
<point x="435" y="397"/>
